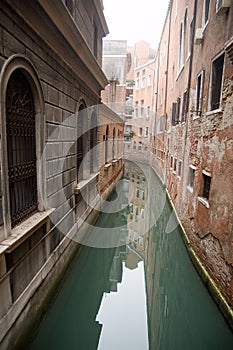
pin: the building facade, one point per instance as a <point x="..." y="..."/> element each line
<point x="52" y="136"/>
<point x="192" y="133"/>
<point x="141" y="101"/>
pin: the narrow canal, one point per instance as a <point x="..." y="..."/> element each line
<point x="144" y="293"/>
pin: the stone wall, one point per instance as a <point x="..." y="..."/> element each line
<point x="56" y="73"/>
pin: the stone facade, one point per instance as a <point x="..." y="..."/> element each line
<point x="49" y="51"/>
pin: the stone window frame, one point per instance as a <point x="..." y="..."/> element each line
<point x="210" y="109"/>
<point x="191" y="178"/>
<point x="184" y="106"/>
<point x="203" y="198"/>
<point x="205" y="15"/>
<point x="11" y="64"/>
<point x="179" y="167"/>
<point x="199" y="94"/>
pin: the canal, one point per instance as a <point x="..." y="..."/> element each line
<point x="134" y="288"/>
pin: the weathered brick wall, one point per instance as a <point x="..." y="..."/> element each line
<point x="203" y="141"/>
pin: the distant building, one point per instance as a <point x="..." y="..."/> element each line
<point x="141" y="101"/>
<point x="115" y="66"/>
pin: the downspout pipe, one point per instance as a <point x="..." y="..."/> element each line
<point x="166" y="92"/>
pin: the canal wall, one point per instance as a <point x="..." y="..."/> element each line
<point x="210" y="284"/>
<point x="24" y="316"/>
<point x="213" y="287"/>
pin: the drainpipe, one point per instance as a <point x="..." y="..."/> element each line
<point x="165" y="101"/>
<point x="189" y="78"/>
<point x="156" y="91"/>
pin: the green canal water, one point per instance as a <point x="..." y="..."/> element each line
<point x="143" y="293"/>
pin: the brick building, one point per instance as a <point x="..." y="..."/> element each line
<point x="139" y="122"/>
<point x="192" y="133"/>
<point x="51" y="80"/>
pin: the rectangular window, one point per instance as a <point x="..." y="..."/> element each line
<point x="181" y="47"/>
<point x="146" y="131"/>
<point x="140" y="132"/>
<point x="137" y="193"/>
<point x="136" y="109"/>
<point x="149" y="80"/>
<point x="147" y="111"/>
<point x="206" y="186"/>
<point x="205" y="14"/>
<point x="173" y="113"/>
<point x="142" y="109"/>
<point x="191" y="176"/>
<point x="179" y="167"/>
<point x="199" y="94"/>
<point x="142" y="213"/>
<point x="184" y="105"/>
<point x="216" y="82"/>
<point x="177" y="110"/>
<point x="175" y="164"/>
<point x="171" y="163"/>
<point x="143" y="82"/>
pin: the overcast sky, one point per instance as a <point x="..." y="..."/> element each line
<point x="133" y="20"/>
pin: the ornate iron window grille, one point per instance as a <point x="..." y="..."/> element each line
<point x="21" y="148"/>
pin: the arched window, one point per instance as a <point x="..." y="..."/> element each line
<point x="113" y="143"/>
<point x="106" y="144"/>
<point x="21" y="147"/>
<point x="93" y="143"/>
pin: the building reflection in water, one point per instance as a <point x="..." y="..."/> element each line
<point x="144" y="292"/>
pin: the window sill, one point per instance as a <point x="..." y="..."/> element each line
<point x="204" y="201"/>
<point x="213" y="111"/>
<point x="196" y="117"/>
<point x="82" y="184"/>
<point x="114" y="161"/>
<point x="190" y="189"/>
<point x="107" y="166"/>
<point x="21" y="232"/>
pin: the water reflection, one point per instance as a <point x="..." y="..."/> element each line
<point x="123" y="314"/>
<point x="145" y="293"/>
